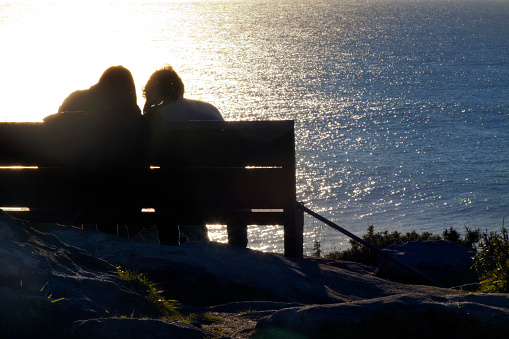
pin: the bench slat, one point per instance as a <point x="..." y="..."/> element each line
<point x="204" y="143"/>
<point x="130" y="217"/>
<point x="254" y="143"/>
<point x="143" y="187"/>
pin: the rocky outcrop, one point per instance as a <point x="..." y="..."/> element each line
<point x="443" y="261"/>
<point x="209" y="273"/>
<point x="107" y="328"/>
<point x="47" y="285"/>
<point x="63" y="282"/>
<point x="398" y="316"/>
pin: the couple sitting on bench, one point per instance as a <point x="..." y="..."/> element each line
<point x="112" y="103"/>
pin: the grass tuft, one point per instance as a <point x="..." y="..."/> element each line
<point x="168" y="308"/>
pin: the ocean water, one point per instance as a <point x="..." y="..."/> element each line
<point x="401" y="106"/>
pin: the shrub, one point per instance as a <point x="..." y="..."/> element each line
<point x="317" y="249"/>
<point x="492" y="261"/>
<point x="450" y="234"/>
<point x="384" y="239"/>
<point x="472" y="237"/>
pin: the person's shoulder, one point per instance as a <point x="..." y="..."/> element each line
<point x="200" y="103"/>
<point x="204" y="110"/>
<point x="65" y="117"/>
<point x="74" y="100"/>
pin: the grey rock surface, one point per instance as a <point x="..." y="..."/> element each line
<point x="443" y="261"/>
<point x="47" y="285"/>
<point x="107" y="328"/>
<point x="398" y="316"/>
<point x="58" y="282"/>
<point x="209" y="273"/>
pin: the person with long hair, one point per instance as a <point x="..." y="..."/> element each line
<point x="115" y="90"/>
<point x="95" y="129"/>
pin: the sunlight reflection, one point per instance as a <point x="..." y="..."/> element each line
<point x="267" y="238"/>
<point x="262" y="167"/>
<point x="15" y="209"/>
<point x="19" y="167"/>
<point x="218" y="233"/>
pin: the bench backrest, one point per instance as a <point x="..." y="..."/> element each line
<point x="180" y="173"/>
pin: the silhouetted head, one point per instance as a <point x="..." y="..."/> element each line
<point x="164" y="84"/>
<point x="119" y="80"/>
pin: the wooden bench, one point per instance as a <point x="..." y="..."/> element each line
<point x="186" y="173"/>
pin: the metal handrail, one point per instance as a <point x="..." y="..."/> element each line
<point x="301" y="207"/>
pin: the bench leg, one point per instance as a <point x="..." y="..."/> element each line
<point x="107" y="228"/>
<point x="169" y="235"/>
<point x="237" y="235"/>
<point x="294" y="241"/>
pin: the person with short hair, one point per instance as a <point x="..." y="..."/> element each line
<point x="164" y="92"/>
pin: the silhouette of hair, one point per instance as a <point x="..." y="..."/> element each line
<point x="119" y="79"/>
<point x="164" y="83"/>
